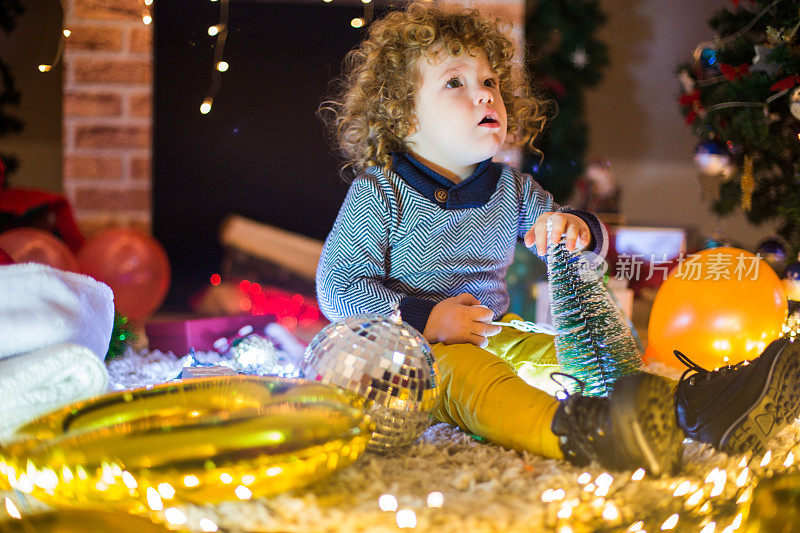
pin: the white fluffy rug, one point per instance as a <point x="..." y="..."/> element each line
<point x="448" y="481"/>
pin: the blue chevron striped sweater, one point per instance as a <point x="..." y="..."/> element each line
<point x="412" y="238"/>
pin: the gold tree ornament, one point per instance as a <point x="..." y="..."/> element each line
<point x="747" y="183"/>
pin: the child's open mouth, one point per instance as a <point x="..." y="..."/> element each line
<point x="488" y="120"/>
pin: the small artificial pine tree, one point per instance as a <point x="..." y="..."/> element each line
<point x="741" y="92"/>
<point x="564" y="59"/>
<point x="9" y="96"/>
<point x="593" y="343"/>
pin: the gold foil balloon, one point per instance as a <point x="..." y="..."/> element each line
<point x="201" y="440"/>
<point x="385" y="361"/>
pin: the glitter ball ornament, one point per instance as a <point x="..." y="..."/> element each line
<point x="385" y="361"/>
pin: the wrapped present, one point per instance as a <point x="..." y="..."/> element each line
<point x="181" y="336"/>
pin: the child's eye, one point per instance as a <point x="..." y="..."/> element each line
<point x="453" y="83"/>
<point x="490" y="82"/>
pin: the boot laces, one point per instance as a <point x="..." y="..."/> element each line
<point x="564" y="393"/>
<point x="698" y="370"/>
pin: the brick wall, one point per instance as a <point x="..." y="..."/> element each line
<point x="108" y="92"/>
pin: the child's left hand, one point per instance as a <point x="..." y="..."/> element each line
<point x="578" y="234"/>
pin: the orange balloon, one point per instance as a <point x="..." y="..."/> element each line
<point x="133" y="264"/>
<point x="719" y="306"/>
<point x="32" y="245"/>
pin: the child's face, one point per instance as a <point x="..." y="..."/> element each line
<point x="461" y="117"/>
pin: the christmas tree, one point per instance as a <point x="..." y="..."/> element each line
<point x="593" y="342"/>
<point x="9" y="96"/>
<point x="741" y="97"/>
<point x="564" y="59"/>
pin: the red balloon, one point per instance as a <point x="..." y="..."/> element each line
<point x="133" y="264"/>
<point x="32" y="245"/>
<point x="5" y="259"/>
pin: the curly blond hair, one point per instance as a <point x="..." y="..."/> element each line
<point x="374" y="110"/>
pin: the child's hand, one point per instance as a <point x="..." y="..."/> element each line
<point x="578" y="234"/>
<point x="460" y="320"/>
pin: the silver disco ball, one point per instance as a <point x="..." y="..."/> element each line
<point x="385" y="361"/>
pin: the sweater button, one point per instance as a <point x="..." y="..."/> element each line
<point x="441" y="195"/>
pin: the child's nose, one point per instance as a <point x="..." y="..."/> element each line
<point x="483" y="96"/>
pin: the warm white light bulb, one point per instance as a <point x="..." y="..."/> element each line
<point x="44" y="68"/>
<point x="709" y="528"/>
<point x="154" y="499"/>
<point x="222" y="66"/>
<point x="205" y="107"/>
<point x="357" y="22"/>
<point x="406" y="518"/>
<point x="175" y="516"/>
<point x="435" y="499"/>
<point x="67" y="33"/>
<point x="670" y="522"/>
<point x="148" y="2"/>
<point x="11" y="509"/>
<point x="243" y="493"/>
<point x="207" y="525"/>
<point x="767" y="458"/>
<point x="213" y="30"/>
<point x="387" y="502"/>
<point x="166" y="491"/>
<point x="147" y="19"/>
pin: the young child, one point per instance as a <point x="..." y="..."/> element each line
<point x="430" y="224"/>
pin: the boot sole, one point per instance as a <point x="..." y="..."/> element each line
<point x="643" y="419"/>
<point x="777" y="406"/>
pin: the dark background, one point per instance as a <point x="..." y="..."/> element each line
<point x="261" y="152"/>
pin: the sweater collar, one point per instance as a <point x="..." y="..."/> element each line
<point x="474" y="191"/>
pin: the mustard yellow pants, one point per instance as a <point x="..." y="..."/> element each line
<point x="482" y="390"/>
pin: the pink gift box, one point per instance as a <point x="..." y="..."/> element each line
<point x="180" y="336"/>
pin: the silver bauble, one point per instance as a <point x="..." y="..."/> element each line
<point x="255" y="354"/>
<point x="385" y="361"/>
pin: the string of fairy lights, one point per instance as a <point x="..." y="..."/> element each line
<point x="709" y="501"/>
<point x="147" y="19"/>
<point x="219" y="31"/>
